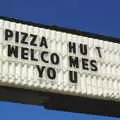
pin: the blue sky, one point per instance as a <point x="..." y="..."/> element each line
<point x="102" y="17"/>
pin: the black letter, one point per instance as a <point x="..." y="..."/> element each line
<point x="85" y="64"/>
<point x="83" y="49"/>
<point x="24" y="53"/>
<point x="72" y="47"/>
<point x="93" y="65"/>
<point x="24" y="37"/>
<point x="33" y="55"/>
<point x="73" y="62"/>
<point x="51" y="73"/>
<point x="16" y="37"/>
<point x="98" y="48"/>
<point x="43" y="42"/>
<point x="54" y="58"/>
<point x="8" y="33"/>
<point x="13" y="50"/>
<point x="33" y="40"/>
<point x="42" y="56"/>
<point x="40" y="70"/>
<point x="73" y="76"/>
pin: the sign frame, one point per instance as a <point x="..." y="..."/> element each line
<point x="55" y="100"/>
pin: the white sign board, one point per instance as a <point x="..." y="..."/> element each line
<point x="43" y="59"/>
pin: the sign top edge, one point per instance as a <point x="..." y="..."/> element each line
<point x="66" y="30"/>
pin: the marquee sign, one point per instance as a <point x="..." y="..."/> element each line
<point x="41" y="58"/>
